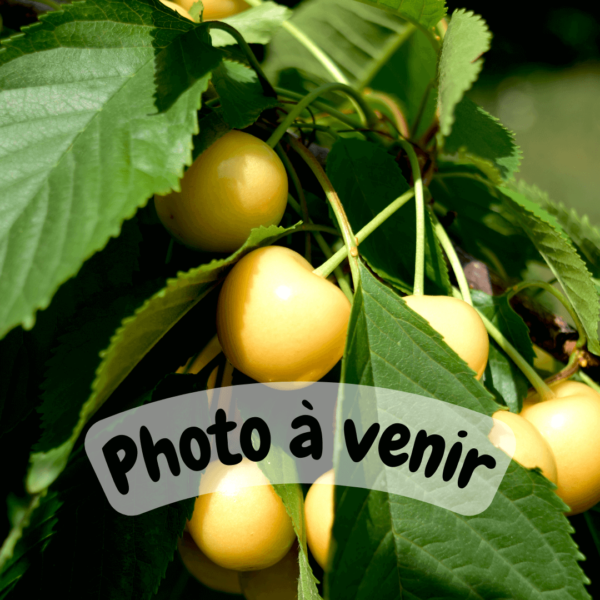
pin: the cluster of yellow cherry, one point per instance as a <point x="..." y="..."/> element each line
<point x="277" y="321"/>
<point x="283" y="325"/>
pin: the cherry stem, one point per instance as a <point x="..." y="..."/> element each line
<point x="368" y="118"/>
<point x="536" y="381"/>
<point x="560" y="297"/>
<point x="311" y="47"/>
<point x="322" y="106"/>
<point x="298" y="187"/>
<point x="419" y="285"/>
<point x="336" y="205"/>
<point x="570" y="370"/>
<point x="327" y="267"/>
<point x="399" y="119"/>
<point x="239" y="38"/>
<point x="455" y="263"/>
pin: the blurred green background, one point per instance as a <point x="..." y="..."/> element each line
<point x="541" y="79"/>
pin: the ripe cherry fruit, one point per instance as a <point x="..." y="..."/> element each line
<point x="217" y="9"/>
<point x="205" y="570"/>
<point x="176" y="7"/>
<point x="277" y="321"/>
<point x="318" y="509"/>
<point x="459" y="324"/>
<point x="570" y="424"/>
<point x="237" y="184"/>
<point x="531" y="449"/>
<point x="243" y="525"/>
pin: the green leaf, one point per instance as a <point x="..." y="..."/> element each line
<point x="410" y="75"/>
<point x="582" y="233"/>
<point x="499" y="311"/>
<point x="505" y="380"/>
<point x="17" y="394"/>
<point x="480" y="138"/>
<point x="562" y="258"/>
<point x="257" y="25"/>
<point x="502" y="377"/>
<point x="292" y="497"/>
<point x="84" y="140"/>
<point x="482" y="224"/>
<point x="38" y="534"/>
<point x="108" y="554"/>
<point x="212" y="127"/>
<point x="518" y="548"/>
<point x="242" y="95"/>
<point x="426" y="13"/>
<point x="465" y="41"/>
<point x="367" y="179"/>
<point x="136" y="336"/>
<point x="359" y="39"/>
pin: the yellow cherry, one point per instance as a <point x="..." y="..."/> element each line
<point x="279" y="322"/>
<point x="174" y="6"/>
<point x="243" y="525"/>
<point x="237" y="184"/>
<point x="318" y="508"/>
<point x="570" y="423"/>
<point x="531" y="449"/>
<point x="279" y="582"/>
<point x="459" y="324"/>
<point x="205" y="570"/>
<point x="217" y="9"/>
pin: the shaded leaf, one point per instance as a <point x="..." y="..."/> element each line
<point x="499" y="311"/>
<point x="135" y="337"/>
<point x="212" y="127"/>
<point x="480" y="138"/>
<point x="505" y="380"/>
<point x="465" y="41"/>
<point x="502" y="377"/>
<point x="367" y="180"/>
<point x="482" y="224"/>
<point x="562" y="258"/>
<point x="83" y="143"/>
<point x="242" y="95"/>
<point x="38" y="534"/>
<point x="518" y="548"/>
<point x="579" y="229"/>
<point x="410" y="75"/>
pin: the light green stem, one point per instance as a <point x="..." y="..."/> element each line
<point x="536" y="381"/>
<point x="336" y="205"/>
<point x="589" y="381"/>
<point x="318" y="127"/>
<point x="448" y="247"/>
<point x="327" y="267"/>
<point x="329" y="65"/>
<point x="368" y="118"/>
<point x="322" y="106"/>
<point x="561" y="298"/>
<point x="419" y="286"/>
